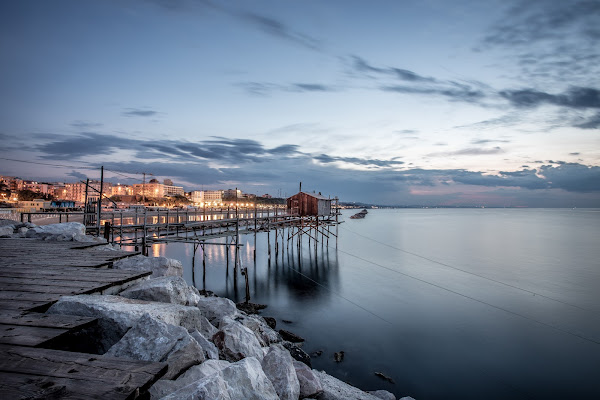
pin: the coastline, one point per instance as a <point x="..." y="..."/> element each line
<point x="216" y="334"/>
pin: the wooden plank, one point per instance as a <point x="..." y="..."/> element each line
<point x="63" y="291"/>
<point x="33" y="281"/>
<point x="59" y="274"/>
<point x="82" y="375"/>
<point x="28" y="335"/>
<point x="45" y="320"/>
<point x="20" y="305"/>
<point x="16" y="296"/>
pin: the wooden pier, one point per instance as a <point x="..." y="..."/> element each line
<point x="33" y="275"/>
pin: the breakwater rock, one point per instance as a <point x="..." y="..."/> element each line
<point x="65" y="232"/>
<point x="213" y="349"/>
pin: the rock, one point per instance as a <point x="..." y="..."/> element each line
<point x="68" y="231"/>
<point x="339" y="356"/>
<point x="250" y="308"/>
<point x="7" y="231"/>
<point x="21" y="232"/>
<point x="287" y="321"/>
<point x="117" y="314"/>
<point x="385" y="377"/>
<point x="272" y="322"/>
<point x="235" y="342"/>
<point x="244" y="379"/>
<point x="257" y="324"/>
<point x="382" y="394"/>
<point x="165" y="387"/>
<point x="310" y="385"/>
<point x="297" y="353"/>
<point x="160" y="266"/>
<point x="290" y="337"/>
<point x="210" y="350"/>
<point x="279" y="368"/>
<point x="216" y="308"/>
<point x="165" y="289"/>
<point x="316" y="353"/>
<point x="153" y="340"/>
<point x="334" y="389"/>
<point x="407" y="398"/>
<point x="5" y="222"/>
<point x="212" y="387"/>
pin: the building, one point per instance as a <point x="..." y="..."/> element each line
<point x="121" y="190"/>
<point x="156" y="189"/>
<point x="232" y="194"/>
<point x="76" y="191"/>
<point x="206" y="196"/>
<point x="34" y="205"/>
<point x="310" y="204"/>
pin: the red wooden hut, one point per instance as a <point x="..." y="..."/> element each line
<point x="310" y="204"/>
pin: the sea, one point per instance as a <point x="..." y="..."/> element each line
<point x="442" y="303"/>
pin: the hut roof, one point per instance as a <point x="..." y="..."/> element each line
<point x="315" y="195"/>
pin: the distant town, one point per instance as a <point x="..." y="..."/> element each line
<point x="30" y="196"/>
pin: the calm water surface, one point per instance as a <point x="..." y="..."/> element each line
<point x="449" y="303"/>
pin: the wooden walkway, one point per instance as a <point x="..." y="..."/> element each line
<point x="33" y="275"/>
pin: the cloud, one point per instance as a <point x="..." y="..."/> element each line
<point x="266" y="88"/>
<point x="361" y="65"/>
<point x="575" y="97"/>
<point x="471" y="151"/>
<point x="592" y="123"/>
<point x="326" y="159"/>
<point x="312" y="87"/>
<point x="81" y="145"/>
<point x="86" y="125"/>
<point x="280" y="30"/>
<point x="487" y="141"/>
<point x="134" y="112"/>
<point x="574" y="154"/>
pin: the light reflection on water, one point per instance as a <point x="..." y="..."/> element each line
<point x="449" y="303"/>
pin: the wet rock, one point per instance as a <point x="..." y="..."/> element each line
<point x="160" y="266"/>
<point x="165" y="387"/>
<point x="339" y="356"/>
<point x="271" y="322"/>
<point x="334" y="389"/>
<point x="317" y="353"/>
<point x="250" y="308"/>
<point x="290" y="337"/>
<point x="235" y="342"/>
<point x="384" y="377"/>
<point x="210" y="350"/>
<point x="165" y="289"/>
<point x="310" y="385"/>
<point x="216" y="308"/>
<point x="117" y="314"/>
<point x="278" y="366"/>
<point x="152" y="340"/>
<point x="21" y="232"/>
<point x="297" y="353"/>
<point x="382" y="394"/>
<point x="407" y="398"/>
<point x="287" y="321"/>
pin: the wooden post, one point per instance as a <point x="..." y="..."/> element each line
<point x="100" y="200"/>
<point x="107" y="231"/>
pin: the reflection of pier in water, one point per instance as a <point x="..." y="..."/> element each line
<point x="289" y="236"/>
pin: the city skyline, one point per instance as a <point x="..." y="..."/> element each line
<point x="492" y="103"/>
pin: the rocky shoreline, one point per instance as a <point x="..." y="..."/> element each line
<point x="214" y="350"/>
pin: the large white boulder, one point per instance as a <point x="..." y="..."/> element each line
<point x="279" y="368"/>
<point x="216" y="308"/>
<point x="152" y="340"/>
<point x="165" y="289"/>
<point x="334" y="389"/>
<point x="117" y="314"/>
<point x="235" y="341"/>
<point x="310" y="385"/>
<point x="160" y="266"/>
<point x="210" y="350"/>
<point x="165" y="387"/>
<point x="244" y="379"/>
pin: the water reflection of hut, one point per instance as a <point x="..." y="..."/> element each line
<point x="309" y="204"/>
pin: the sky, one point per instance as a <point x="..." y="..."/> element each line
<point x="407" y="102"/>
